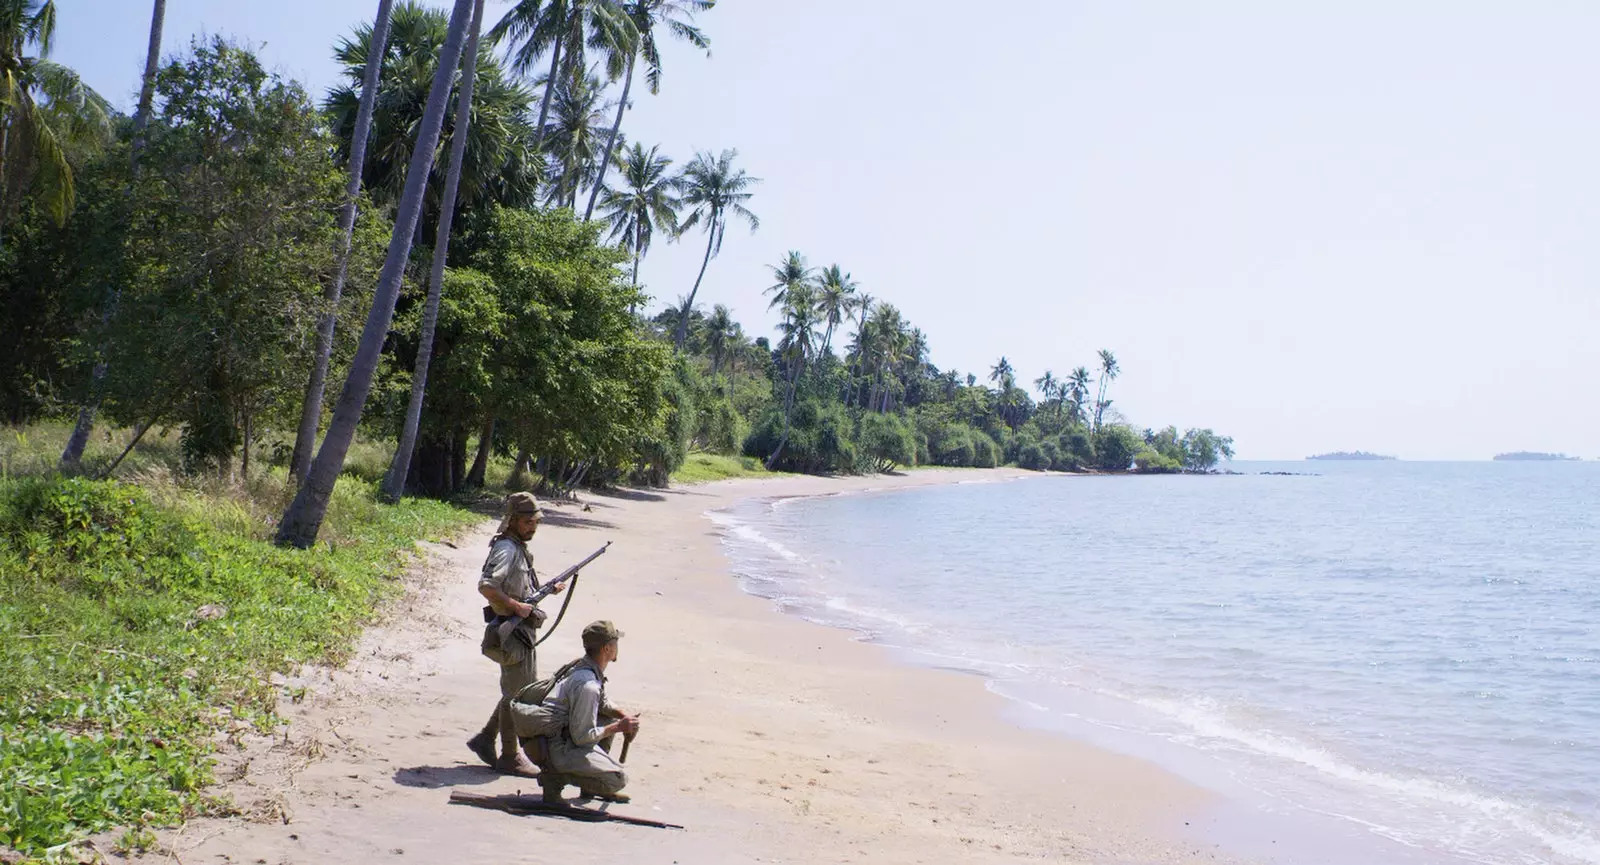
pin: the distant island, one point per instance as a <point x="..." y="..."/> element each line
<point x="1352" y="455"/>
<point x="1536" y="456"/>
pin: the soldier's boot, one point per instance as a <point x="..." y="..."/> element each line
<point x="619" y="798"/>
<point x="483" y="743"/>
<point x="517" y="764"/>
<point x="550" y="787"/>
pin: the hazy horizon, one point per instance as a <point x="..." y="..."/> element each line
<point x="1311" y="227"/>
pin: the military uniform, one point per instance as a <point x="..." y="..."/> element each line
<point x="509" y="568"/>
<point x="579" y="751"/>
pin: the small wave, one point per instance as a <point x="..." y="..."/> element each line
<point x="1559" y="832"/>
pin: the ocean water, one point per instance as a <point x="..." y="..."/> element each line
<point x="1386" y="662"/>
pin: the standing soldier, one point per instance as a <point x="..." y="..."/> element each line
<point x="508" y="581"/>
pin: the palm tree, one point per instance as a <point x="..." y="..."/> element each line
<point x="1108" y="373"/>
<point x="1049" y="387"/>
<point x="564" y="28"/>
<point x="1077" y="389"/>
<point x="72" y="454"/>
<point x="1002" y="374"/>
<point x="302" y="521"/>
<point x="648" y="204"/>
<point x="498" y="165"/>
<point x="714" y="190"/>
<point x="720" y="331"/>
<point x="836" y="297"/>
<point x="646" y="15"/>
<point x="395" y="482"/>
<point x="573" y="140"/>
<point x="311" y="410"/>
<point x="797" y="343"/>
<point x="46" y="111"/>
<point x="791" y="274"/>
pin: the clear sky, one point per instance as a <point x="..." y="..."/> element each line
<point x="1310" y="225"/>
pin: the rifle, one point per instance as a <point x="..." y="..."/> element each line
<point x="523" y="805"/>
<point x="510" y="624"/>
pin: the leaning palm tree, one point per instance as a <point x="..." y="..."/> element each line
<point x="714" y="191"/>
<point x="836" y="297"/>
<point x="1108" y="373"/>
<point x="72" y="454"/>
<point x="789" y="275"/>
<point x="46" y="111"/>
<point x="649" y="203"/>
<point x="646" y="15"/>
<point x="395" y="482"/>
<point x="311" y="409"/>
<point x="302" y="521"/>
<point x="564" y="28"/>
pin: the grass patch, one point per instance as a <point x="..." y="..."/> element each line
<point x="701" y="468"/>
<point x="139" y="621"/>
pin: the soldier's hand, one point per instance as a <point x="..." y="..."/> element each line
<point x="523" y="609"/>
<point x="558" y="588"/>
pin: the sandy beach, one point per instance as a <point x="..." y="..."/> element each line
<point x="772" y="739"/>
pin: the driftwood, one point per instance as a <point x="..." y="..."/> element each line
<point x="525" y="805"/>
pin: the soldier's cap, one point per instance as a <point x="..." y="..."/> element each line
<point x="523" y="505"/>
<point x="599" y="633"/>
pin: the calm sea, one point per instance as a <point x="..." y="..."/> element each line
<point x="1375" y="663"/>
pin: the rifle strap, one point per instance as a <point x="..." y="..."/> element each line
<point x="571" y="590"/>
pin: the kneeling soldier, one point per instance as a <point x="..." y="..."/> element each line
<point x="578" y="752"/>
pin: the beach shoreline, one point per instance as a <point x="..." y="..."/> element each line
<point x="772" y="738"/>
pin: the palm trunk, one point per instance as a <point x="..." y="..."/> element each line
<point x="683" y="318"/>
<point x="72" y="455"/>
<point x="611" y="143"/>
<point x="480" y="463"/>
<point x="788" y="413"/>
<point x="544" y="104"/>
<point x="147" y="89"/>
<point x="519" y="471"/>
<point x="305" y="439"/>
<point x="395" y="483"/>
<point x="303" y="519"/>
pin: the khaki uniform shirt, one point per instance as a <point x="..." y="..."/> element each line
<point x="581" y="697"/>
<point x="509" y="568"/>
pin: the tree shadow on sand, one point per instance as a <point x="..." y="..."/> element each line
<point x="435" y="777"/>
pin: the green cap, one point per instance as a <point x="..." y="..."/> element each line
<point x="597" y="634"/>
<point x="523" y="505"/>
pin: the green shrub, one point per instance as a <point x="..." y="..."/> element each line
<point x="887" y="441"/>
<point x="115" y="669"/>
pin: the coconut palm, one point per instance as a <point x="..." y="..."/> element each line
<point x="499" y="165"/>
<point x="1108" y="373"/>
<point x="714" y="191"/>
<point x="647" y="15"/>
<point x="648" y="203"/>
<point x="395" y="482"/>
<point x="1077" y="390"/>
<point x="797" y="342"/>
<point x="574" y="138"/>
<point x="720" y="330"/>
<point x="302" y="521"/>
<point x="1050" y="388"/>
<point x="836" y="297"/>
<point x="565" y="28"/>
<point x="1002" y="374"/>
<point x="46" y="112"/>
<point x="790" y="275"/>
<point x="361" y="133"/>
